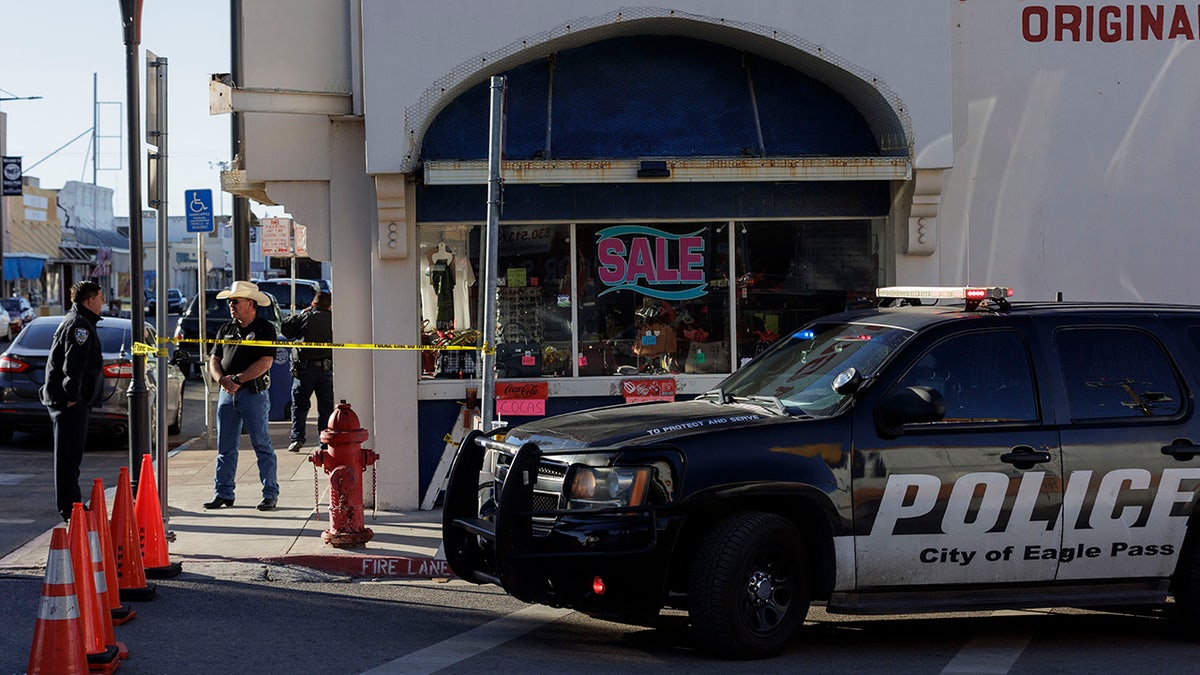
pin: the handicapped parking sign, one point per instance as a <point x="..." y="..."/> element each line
<point x="198" y="205"/>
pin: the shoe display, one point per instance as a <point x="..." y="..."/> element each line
<point x="295" y="446"/>
<point x="266" y="504"/>
<point x="218" y="502"/>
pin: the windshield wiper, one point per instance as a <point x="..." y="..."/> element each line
<point x="715" y="393"/>
<point x="772" y="401"/>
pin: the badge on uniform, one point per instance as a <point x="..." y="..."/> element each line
<point x="248" y="336"/>
<point x="81" y="335"/>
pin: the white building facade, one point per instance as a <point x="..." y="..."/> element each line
<point x="686" y="182"/>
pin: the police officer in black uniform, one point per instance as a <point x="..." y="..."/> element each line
<point x="74" y="383"/>
<point x="312" y="367"/>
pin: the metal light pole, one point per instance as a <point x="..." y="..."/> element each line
<point x="139" y="395"/>
<point x="487" y="405"/>
<point x="156" y="135"/>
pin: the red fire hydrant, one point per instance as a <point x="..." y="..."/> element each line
<point x="344" y="461"/>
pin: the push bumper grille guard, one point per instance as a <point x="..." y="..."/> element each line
<point x="488" y="551"/>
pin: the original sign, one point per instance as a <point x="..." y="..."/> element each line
<point x="643" y="390"/>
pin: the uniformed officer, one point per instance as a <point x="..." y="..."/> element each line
<point x="242" y="371"/>
<point x="312" y="367"/>
<point x="74" y="383"/>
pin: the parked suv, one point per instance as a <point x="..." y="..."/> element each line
<point x="281" y="290"/>
<point x="187" y="354"/>
<point x="944" y="457"/>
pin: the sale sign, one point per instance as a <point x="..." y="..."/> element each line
<point x="642" y="390"/>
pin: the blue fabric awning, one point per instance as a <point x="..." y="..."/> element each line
<point x="23" y="266"/>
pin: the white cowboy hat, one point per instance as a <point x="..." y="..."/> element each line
<point x="245" y="289"/>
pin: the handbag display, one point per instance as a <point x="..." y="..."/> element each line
<point x="458" y="364"/>
<point x="707" y="357"/>
<point x="596" y="358"/>
<point x="518" y="359"/>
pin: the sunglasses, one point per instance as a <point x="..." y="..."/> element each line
<point x="233" y="301"/>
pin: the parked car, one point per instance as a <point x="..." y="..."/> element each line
<point x="281" y="290"/>
<point x="974" y="454"/>
<point x="175" y="301"/>
<point x="20" y="312"/>
<point x="23" y="371"/>
<point x="187" y="354"/>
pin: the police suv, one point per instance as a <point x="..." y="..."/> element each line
<point x="955" y="452"/>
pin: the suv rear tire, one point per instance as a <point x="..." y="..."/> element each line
<point x="748" y="593"/>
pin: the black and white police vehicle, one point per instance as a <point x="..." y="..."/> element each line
<point x="955" y="452"/>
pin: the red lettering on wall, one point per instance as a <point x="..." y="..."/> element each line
<point x="1067" y="19"/>
<point x="1109" y="23"/>
<point x="1035" y="31"/>
<point x="1152" y="21"/>
<point x="1181" y="26"/>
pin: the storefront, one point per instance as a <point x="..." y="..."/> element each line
<point x="684" y="183"/>
<point x="671" y="206"/>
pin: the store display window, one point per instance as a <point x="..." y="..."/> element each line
<point x="605" y="299"/>
<point x="653" y="298"/>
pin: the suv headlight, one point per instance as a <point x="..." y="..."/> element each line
<point x="591" y="487"/>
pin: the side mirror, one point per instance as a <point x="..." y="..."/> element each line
<point x="909" y="405"/>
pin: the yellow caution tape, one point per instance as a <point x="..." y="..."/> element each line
<point x="149" y="350"/>
<point x="328" y="345"/>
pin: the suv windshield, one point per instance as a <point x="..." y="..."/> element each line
<point x="282" y="292"/>
<point x="12" y="304"/>
<point x="800" y="369"/>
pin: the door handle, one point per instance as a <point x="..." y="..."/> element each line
<point x="1024" y="457"/>
<point x="1181" y="449"/>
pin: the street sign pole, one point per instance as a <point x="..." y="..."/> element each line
<point x="198" y="207"/>
<point x="139" y="396"/>
<point x="156" y="135"/>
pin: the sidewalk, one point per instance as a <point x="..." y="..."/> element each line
<point x="405" y="544"/>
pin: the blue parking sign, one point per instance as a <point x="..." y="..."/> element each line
<point x="198" y="206"/>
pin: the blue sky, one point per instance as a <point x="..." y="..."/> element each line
<point x="52" y="48"/>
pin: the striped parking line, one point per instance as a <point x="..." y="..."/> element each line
<point x="471" y="643"/>
<point x="995" y="653"/>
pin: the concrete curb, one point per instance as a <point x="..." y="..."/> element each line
<point x="370" y="566"/>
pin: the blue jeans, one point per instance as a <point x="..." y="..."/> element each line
<point x="310" y="379"/>
<point x="250" y="409"/>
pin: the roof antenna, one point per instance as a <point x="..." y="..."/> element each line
<point x="1058" y="297"/>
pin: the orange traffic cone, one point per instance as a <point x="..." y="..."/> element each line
<point x="58" y="638"/>
<point x="131" y="578"/>
<point x="150" y="527"/>
<point x="120" y="613"/>
<point x="101" y="657"/>
<point x="102" y="594"/>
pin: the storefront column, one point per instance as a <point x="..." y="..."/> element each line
<point x="395" y="316"/>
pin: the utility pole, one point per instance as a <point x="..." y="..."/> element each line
<point x="139" y="395"/>
<point x="241" y="205"/>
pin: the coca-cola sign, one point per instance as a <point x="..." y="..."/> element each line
<point x="522" y="390"/>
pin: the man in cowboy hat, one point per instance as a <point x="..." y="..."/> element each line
<point x="244" y="400"/>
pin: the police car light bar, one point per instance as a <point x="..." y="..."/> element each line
<point x="968" y="293"/>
